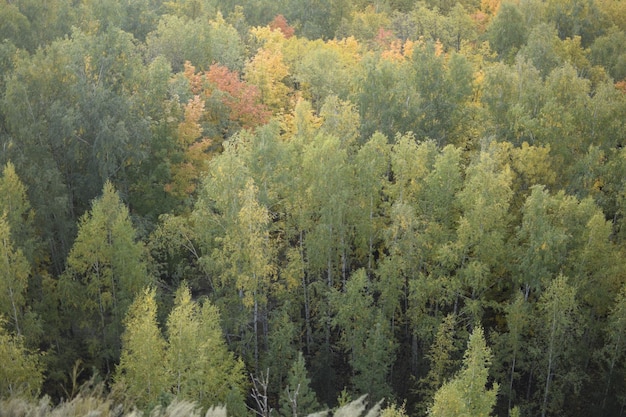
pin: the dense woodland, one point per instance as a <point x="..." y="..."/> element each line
<point x="282" y="205"/>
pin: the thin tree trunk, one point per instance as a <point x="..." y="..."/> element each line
<point x="550" y="360"/>
<point x="17" y="325"/>
<point x="305" y="290"/>
<point x="256" y="332"/>
<point x="511" y="382"/>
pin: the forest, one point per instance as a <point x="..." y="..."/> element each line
<point x="280" y="206"/>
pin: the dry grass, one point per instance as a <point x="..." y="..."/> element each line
<point x="94" y="403"/>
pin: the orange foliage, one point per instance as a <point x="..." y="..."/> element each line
<point x="280" y="23"/>
<point x="384" y="37"/>
<point x="195" y="80"/>
<point x="244" y="108"/>
<point x="243" y="100"/>
<point x="621" y="86"/>
<point x="481" y="20"/>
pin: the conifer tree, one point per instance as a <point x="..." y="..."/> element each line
<point x="298" y="399"/>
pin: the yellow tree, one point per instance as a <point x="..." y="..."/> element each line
<point x="141" y="373"/>
<point x="267" y="70"/>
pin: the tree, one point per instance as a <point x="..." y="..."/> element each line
<point x="198" y="362"/>
<point x="611" y="355"/>
<point x="443" y="89"/>
<point x="220" y="106"/>
<point x="365" y="337"/>
<point x="18" y="213"/>
<point x="280" y="23"/>
<point x="21" y="371"/>
<point x="179" y="40"/>
<point x="442" y="361"/>
<point x="512" y="345"/>
<point x="507" y="32"/>
<point x="540" y="49"/>
<point x="609" y="51"/>
<point x="267" y="71"/>
<point x="298" y="399"/>
<point x="85" y="124"/>
<point x="18" y="245"/>
<point x="480" y="246"/>
<point x="105" y="271"/>
<point x="467" y="393"/>
<point x="142" y="372"/>
<point x="14" y="272"/>
<point x="559" y="333"/>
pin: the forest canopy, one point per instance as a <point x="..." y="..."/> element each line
<point x="278" y="207"/>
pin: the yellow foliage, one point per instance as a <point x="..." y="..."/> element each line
<point x="349" y="49"/>
<point x="490" y="7"/>
<point x="189" y="129"/>
<point x="267" y="71"/>
<point x="269" y="39"/>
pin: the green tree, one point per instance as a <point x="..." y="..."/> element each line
<point x="283" y="342"/>
<point x="142" y="372"/>
<point x="609" y="51"/>
<point x="467" y="393"/>
<point x="105" y="271"/>
<point x="443" y="90"/>
<point x="21" y="371"/>
<point x="514" y="97"/>
<point x="365" y="337"/>
<point x="559" y="333"/>
<point x="579" y="17"/>
<point x="298" y="399"/>
<point x="480" y="247"/>
<point x="507" y="32"/>
<point x="14" y="272"/>
<point x="442" y="361"/>
<point x="611" y="355"/>
<point x="541" y="47"/>
<point x="83" y="126"/>
<point x="179" y="39"/>
<point x="512" y="346"/>
<point x="198" y="362"/>
<point x="18" y="213"/>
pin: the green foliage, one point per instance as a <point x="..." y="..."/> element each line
<point x="191" y="364"/>
<point x="442" y="361"/>
<point x="340" y="178"/>
<point x="105" y="271"/>
<point x="507" y="33"/>
<point x="140" y="373"/>
<point x="21" y="370"/>
<point x="297" y="398"/>
<point x="559" y="334"/>
<point x="14" y="272"/>
<point x="198" y="363"/>
<point x="467" y="394"/>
